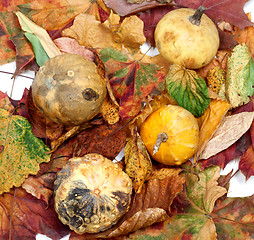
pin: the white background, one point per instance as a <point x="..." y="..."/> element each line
<point x="239" y="187"/>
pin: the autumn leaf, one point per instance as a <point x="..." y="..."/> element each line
<point x="5" y="102"/>
<point x="230" y="130"/>
<point x="132" y="81"/>
<point x="24" y="53"/>
<point x="122" y="8"/>
<point x="246" y="164"/>
<point x="43" y="46"/>
<point x="52" y="15"/>
<point x="107" y="140"/>
<point x="194" y="217"/>
<point x="140" y="219"/>
<point x="188" y="89"/>
<point x="21" y="153"/>
<point x="137" y="161"/>
<point x="209" y="121"/>
<point x="8" y="28"/>
<point x="89" y="32"/>
<point x="40" y="187"/>
<point x="42" y="127"/>
<point x="158" y="191"/>
<point x="22" y="216"/>
<point x="240" y="76"/>
<point x="70" y="45"/>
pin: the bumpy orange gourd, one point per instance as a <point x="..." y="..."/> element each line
<point x="181" y="129"/>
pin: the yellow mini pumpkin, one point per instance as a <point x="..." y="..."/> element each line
<point x="187" y="38"/>
<point x="170" y="134"/>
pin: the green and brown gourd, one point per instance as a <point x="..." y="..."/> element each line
<point x="91" y="193"/>
<point x="68" y="89"/>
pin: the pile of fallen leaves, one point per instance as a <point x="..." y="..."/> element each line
<point x="182" y="202"/>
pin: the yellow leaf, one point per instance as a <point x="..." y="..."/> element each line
<point x="137" y="160"/>
<point x="210" y="120"/>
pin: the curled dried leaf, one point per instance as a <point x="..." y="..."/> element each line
<point x="137" y="160"/>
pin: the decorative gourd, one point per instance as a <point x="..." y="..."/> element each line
<point x="187" y="38"/>
<point x="68" y="89"/>
<point x="91" y="193"/>
<point x="170" y="134"/>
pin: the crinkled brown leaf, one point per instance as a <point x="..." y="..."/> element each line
<point x="107" y="140"/>
<point x="110" y="111"/>
<point x="89" y="32"/>
<point x="137" y="161"/>
<point x="22" y="217"/>
<point x="229" y="131"/>
<point x="140" y="219"/>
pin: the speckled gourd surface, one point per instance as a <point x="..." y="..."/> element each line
<point x="91" y="193"/>
<point x="68" y="89"/>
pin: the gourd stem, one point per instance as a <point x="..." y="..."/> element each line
<point x="195" y="19"/>
<point x="162" y="137"/>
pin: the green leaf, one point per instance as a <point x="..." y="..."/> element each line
<point x="40" y="55"/>
<point x="38" y="35"/>
<point x="188" y="89"/>
<point x="110" y="53"/>
<point x="20" y="151"/>
<point x="240" y="76"/>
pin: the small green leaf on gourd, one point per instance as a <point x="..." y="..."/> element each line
<point x="240" y="76"/>
<point x="188" y="89"/>
<point x="21" y="152"/>
<point x="40" y="54"/>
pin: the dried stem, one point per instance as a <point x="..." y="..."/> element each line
<point x="162" y="137"/>
<point x="195" y="19"/>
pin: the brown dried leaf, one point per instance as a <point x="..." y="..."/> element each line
<point x="229" y="131"/>
<point x="107" y="140"/>
<point x="140" y="219"/>
<point x="89" y="32"/>
<point x="138" y="162"/>
<point x="40" y="187"/>
<point x="110" y="111"/>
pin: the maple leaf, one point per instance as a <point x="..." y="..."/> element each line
<point x="8" y="28"/>
<point x="132" y="81"/>
<point x="21" y="151"/>
<point x="22" y="217"/>
<point x="52" y="15"/>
